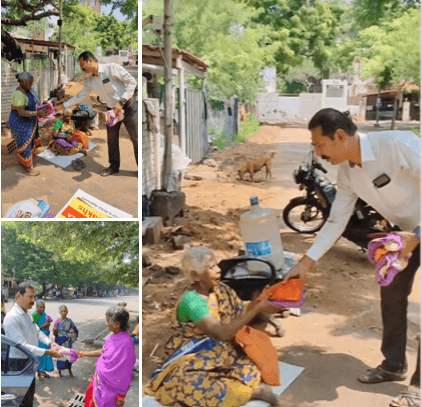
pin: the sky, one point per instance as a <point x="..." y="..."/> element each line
<point x="116" y="13"/>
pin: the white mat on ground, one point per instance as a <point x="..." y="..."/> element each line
<point x="289" y="373"/>
<point x="62" y="160"/>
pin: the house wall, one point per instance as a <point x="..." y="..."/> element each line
<point x="45" y="80"/>
<point x="290" y="106"/>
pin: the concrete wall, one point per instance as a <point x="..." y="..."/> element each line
<point x="269" y="108"/>
<point x="290" y="106"/>
<point x="310" y="103"/>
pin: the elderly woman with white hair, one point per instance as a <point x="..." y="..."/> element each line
<point x="66" y="139"/>
<point x="203" y="365"/>
<point x="43" y="321"/>
<point x="23" y="121"/>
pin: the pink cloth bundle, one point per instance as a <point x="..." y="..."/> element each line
<point x="291" y="304"/>
<point x="50" y="116"/>
<point x="48" y="319"/>
<point x="385" y="254"/>
<point x="112" y="118"/>
<point x="69" y="354"/>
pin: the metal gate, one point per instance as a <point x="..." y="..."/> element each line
<point x="196" y="125"/>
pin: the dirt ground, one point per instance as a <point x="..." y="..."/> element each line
<point x="338" y="334"/>
<point x="59" y="184"/>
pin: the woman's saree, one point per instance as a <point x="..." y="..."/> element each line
<point x="46" y="362"/>
<point x="219" y="374"/>
<point x="65" y="338"/>
<point x="114" y="372"/>
<point x="25" y="132"/>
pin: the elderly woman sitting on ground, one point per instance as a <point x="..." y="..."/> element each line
<point x="204" y="367"/>
<point x="66" y="139"/>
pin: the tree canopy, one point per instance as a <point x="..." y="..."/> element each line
<point x="70" y="252"/>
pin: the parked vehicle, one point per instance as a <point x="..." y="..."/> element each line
<point x="16" y="379"/>
<point x="307" y="214"/>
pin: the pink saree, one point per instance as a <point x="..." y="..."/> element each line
<point x="114" y="371"/>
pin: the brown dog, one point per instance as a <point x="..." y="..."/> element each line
<point x="255" y="165"/>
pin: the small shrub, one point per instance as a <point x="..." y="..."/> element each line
<point x="416" y="131"/>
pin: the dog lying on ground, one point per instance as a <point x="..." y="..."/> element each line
<point x="255" y="165"/>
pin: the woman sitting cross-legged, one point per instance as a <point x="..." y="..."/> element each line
<point x="207" y="317"/>
<point x="66" y="139"/>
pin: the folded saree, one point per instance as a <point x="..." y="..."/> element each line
<point x="384" y="252"/>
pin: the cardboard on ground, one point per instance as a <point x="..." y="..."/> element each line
<point x="288" y="374"/>
<point x="83" y="205"/>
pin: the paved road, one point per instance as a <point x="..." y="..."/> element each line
<point x="89" y="316"/>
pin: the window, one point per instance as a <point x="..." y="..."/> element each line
<point x="93" y="3"/>
<point x="83" y="2"/>
<point x="13" y="359"/>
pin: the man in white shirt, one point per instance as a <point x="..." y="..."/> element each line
<point x="116" y="87"/>
<point x="21" y="328"/>
<point x="383" y="169"/>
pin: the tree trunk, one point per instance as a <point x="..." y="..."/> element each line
<point x="168" y="104"/>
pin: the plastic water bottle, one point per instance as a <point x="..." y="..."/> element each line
<point x="260" y="232"/>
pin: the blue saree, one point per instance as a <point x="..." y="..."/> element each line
<point x="25" y="131"/>
<point x="65" y="338"/>
<point x="46" y="362"/>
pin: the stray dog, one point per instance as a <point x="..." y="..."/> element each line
<point x="255" y="165"/>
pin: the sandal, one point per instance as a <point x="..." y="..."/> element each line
<point x="406" y="399"/>
<point x="77" y="165"/>
<point x="379" y="375"/>
<point x="31" y="172"/>
<point x="108" y="171"/>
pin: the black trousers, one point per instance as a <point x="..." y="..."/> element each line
<point x="29" y="397"/>
<point x="394" y="301"/>
<point x="131" y="123"/>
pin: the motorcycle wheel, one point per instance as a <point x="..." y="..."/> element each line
<point x="303" y="217"/>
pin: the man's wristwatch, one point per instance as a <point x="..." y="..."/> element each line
<point x="122" y="101"/>
<point x="417" y="232"/>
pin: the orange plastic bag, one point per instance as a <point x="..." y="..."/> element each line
<point x="257" y="345"/>
<point x="290" y="290"/>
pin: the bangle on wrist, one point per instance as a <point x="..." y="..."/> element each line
<point x="417" y="232"/>
<point x="81" y="355"/>
<point x="121" y="398"/>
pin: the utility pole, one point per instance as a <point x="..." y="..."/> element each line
<point x="59" y="56"/>
<point x="168" y="103"/>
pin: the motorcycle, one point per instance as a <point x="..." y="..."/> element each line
<point x="308" y="214"/>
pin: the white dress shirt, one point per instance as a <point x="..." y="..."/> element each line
<point x="122" y="85"/>
<point x="21" y="328"/>
<point x="395" y="153"/>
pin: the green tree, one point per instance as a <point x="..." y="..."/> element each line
<point x="19" y="12"/>
<point x="298" y="29"/>
<point x="222" y="34"/>
<point x="27" y="260"/>
<point x="114" y="246"/>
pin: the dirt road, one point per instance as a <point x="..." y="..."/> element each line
<point x="338" y="335"/>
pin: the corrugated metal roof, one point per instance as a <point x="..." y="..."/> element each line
<point x="152" y="51"/>
<point x="50" y="44"/>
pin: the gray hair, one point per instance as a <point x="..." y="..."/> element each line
<point x="196" y="259"/>
<point x="24" y="76"/>
<point x="38" y="302"/>
<point x="67" y="109"/>
<point x="118" y="314"/>
<point x="61" y="306"/>
<point x="23" y="286"/>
